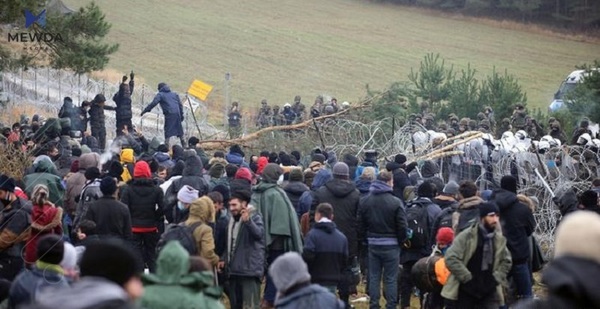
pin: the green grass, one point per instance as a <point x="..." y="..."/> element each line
<point x="276" y="49"/>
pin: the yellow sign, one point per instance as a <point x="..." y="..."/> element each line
<point x="200" y="89"/>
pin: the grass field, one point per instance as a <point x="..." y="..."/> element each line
<point x="276" y="49"/>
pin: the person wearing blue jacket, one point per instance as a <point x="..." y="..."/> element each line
<point x="170" y="103"/>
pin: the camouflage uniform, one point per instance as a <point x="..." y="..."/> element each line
<point x="277" y="119"/>
<point x="504" y="126"/>
<point x="463" y="125"/>
<point x="264" y="115"/>
<point x="234" y="119"/>
<point x="518" y="119"/>
<point x="299" y="109"/>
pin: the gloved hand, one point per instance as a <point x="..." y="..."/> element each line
<point x="131" y="75"/>
<point x="142" y="114"/>
<point x="124" y="78"/>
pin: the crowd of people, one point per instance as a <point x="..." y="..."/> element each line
<point x="152" y="224"/>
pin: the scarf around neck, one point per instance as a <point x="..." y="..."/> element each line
<point x="488" y="247"/>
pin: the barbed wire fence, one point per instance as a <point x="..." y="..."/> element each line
<point x="45" y="88"/>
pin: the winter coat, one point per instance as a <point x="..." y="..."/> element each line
<point x="401" y="179"/>
<point x="87" y="293"/>
<point x="466" y="214"/>
<point x="90" y="193"/>
<point x="433" y="211"/>
<point x="14" y="224"/>
<point x="240" y="185"/>
<point x="571" y="282"/>
<point x="45" y="219"/>
<point x="123" y="101"/>
<point x="192" y="176"/>
<point x="248" y="256"/>
<point x="236" y="159"/>
<point x="220" y="231"/>
<point x="80" y="122"/>
<point x="76" y="182"/>
<point x="517" y="222"/>
<point x="46" y="174"/>
<point x="163" y="159"/>
<point x="382" y="216"/>
<point x="97" y="118"/>
<point x="204" y="212"/>
<point x="306" y="199"/>
<point x="448" y="205"/>
<point x="311" y="296"/>
<point x="279" y="218"/>
<point x="344" y="198"/>
<point x="111" y="217"/>
<point x="169" y="102"/>
<point x="144" y="200"/>
<point x="294" y="190"/>
<point x="458" y="255"/>
<point x="173" y="286"/>
<point x="363" y="186"/>
<point x="29" y="283"/>
<point x="326" y="254"/>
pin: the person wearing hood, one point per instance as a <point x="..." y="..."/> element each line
<point x="127" y="158"/>
<point x="448" y="203"/>
<point x="571" y="277"/>
<point x="45" y="219"/>
<point x="242" y="180"/>
<point x="172" y="285"/>
<point x="363" y="183"/>
<point x="294" y="288"/>
<point x="144" y="199"/>
<point x="518" y="224"/>
<point x="295" y="188"/>
<point x="122" y="99"/>
<point x="68" y="111"/>
<point x="97" y="119"/>
<point x="383" y="226"/>
<point x="163" y="157"/>
<point x="46" y="272"/>
<point x="325" y="250"/>
<point x="15" y="221"/>
<point x="401" y="179"/>
<point x="305" y="202"/>
<point x="370" y="159"/>
<point x="429" y="172"/>
<point x="244" y="258"/>
<point x="185" y="197"/>
<point x="77" y="181"/>
<point x="479" y="262"/>
<point x="467" y="211"/>
<point x="352" y="162"/>
<point x="202" y="212"/>
<point x="110" y="278"/>
<point x="191" y="176"/>
<point x="342" y="194"/>
<point x="170" y="103"/>
<point x="281" y="226"/>
<point x="46" y="174"/>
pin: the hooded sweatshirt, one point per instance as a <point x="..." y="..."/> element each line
<point x="76" y="182"/>
<point x="172" y="286"/>
<point x="203" y="210"/>
<point x="326" y="253"/>
<point x="46" y="174"/>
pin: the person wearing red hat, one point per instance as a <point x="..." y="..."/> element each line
<point x="142" y="196"/>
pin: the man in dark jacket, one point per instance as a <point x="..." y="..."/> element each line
<point x="69" y="111"/>
<point x="447" y="202"/>
<point x="144" y="199"/>
<point x="325" y="250"/>
<point x="123" y="100"/>
<point x="97" y="119"/>
<point x="467" y="212"/>
<point x="15" y="220"/>
<point x="192" y="176"/>
<point x="518" y="224"/>
<point x="401" y="179"/>
<point x="588" y="200"/>
<point x="245" y="256"/>
<point x="295" y="188"/>
<point x="111" y="216"/>
<point x="172" y="110"/>
<point x="342" y="194"/>
<point x="383" y="225"/>
<point x="409" y="256"/>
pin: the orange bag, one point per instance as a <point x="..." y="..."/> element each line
<point x="441" y="271"/>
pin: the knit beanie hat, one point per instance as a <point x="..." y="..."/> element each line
<point x="588" y="199"/>
<point x="400" y="159"/>
<point x="92" y="173"/>
<point x="341" y="169"/>
<point x="319" y="158"/>
<point x="243" y="173"/>
<point x="74" y="167"/>
<point x="445" y="236"/>
<point x="7" y="183"/>
<point x="261" y="163"/>
<point x="216" y="170"/>
<point x="225" y="192"/>
<point x="85" y="149"/>
<point x="40" y="194"/>
<point x="108" y="186"/>
<point x="69" y="261"/>
<point x="115" y="169"/>
<point x="451" y="188"/>
<point x="509" y="183"/>
<point x="296" y="175"/>
<point x="486" y="209"/>
<point x="271" y="173"/>
<point x="187" y="194"/>
<point x="289" y="270"/>
<point x="577" y="234"/>
<point x="142" y="170"/>
<point x="50" y="249"/>
<point x="111" y="260"/>
<point x="486" y="195"/>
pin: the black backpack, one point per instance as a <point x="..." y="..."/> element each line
<point x="446" y="217"/>
<point x="417" y="220"/>
<point x="181" y="233"/>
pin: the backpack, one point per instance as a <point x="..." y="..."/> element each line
<point x="446" y="217"/>
<point x="89" y="194"/>
<point x="181" y="233"/>
<point x="417" y="220"/>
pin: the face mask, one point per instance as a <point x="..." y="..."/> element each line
<point x="180" y="205"/>
<point x="444" y="250"/>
